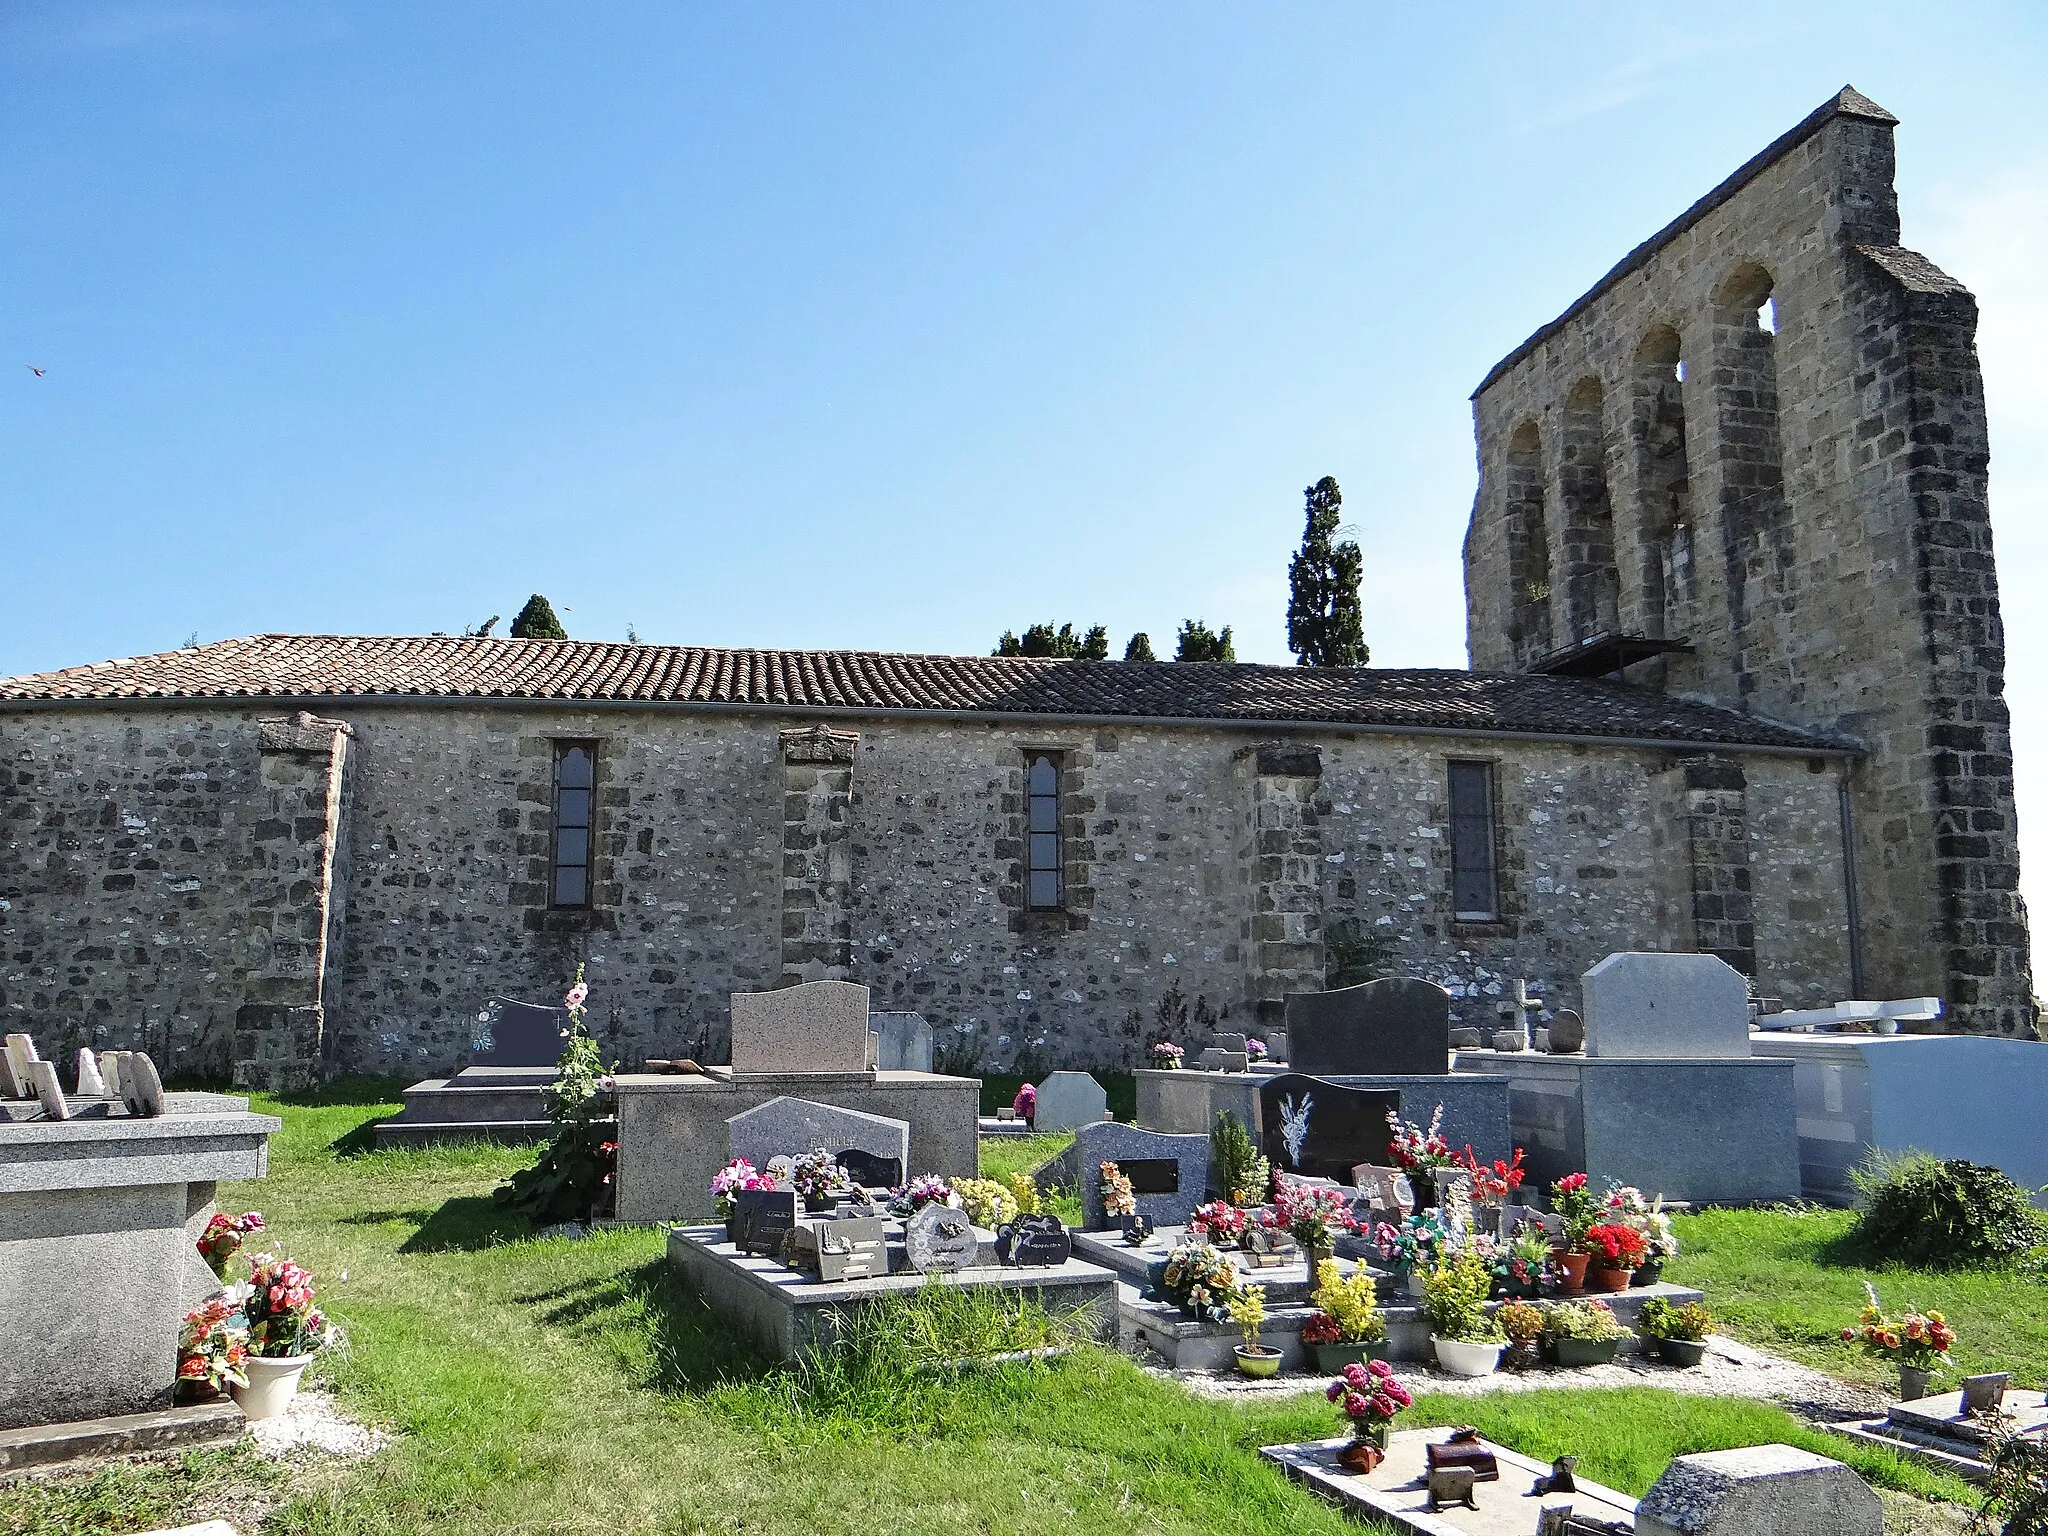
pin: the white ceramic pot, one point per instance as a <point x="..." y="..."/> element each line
<point x="273" y="1383"/>
<point x="1466" y="1359"/>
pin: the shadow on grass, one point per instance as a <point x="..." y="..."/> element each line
<point x="463" y="1224"/>
<point x="688" y="1349"/>
<point x="354" y="1088"/>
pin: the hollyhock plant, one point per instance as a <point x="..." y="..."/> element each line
<point x="283" y="1321"/>
<point x="222" y="1239"/>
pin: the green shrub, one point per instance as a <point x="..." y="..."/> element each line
<point x="1928" y="1213"/>
<point x="1454" y="1295"/>
<point x="1237" y="1170"/>
<point x="1583" y="1320"/>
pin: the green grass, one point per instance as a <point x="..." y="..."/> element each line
<point x="1778" y="1278"/>
<point x="565" y="1387"/>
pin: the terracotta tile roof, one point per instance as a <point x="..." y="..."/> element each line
<point x="304" y="667"/>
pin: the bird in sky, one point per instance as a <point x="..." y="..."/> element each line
<point x="32" y="368"/>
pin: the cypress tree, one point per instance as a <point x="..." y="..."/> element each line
<point x="1140" y="648"/>
<point x="537" y="621"/>
<point x="1325" y="625"/>
<point x="1044" y="640"/>
<point x="1199" y="643"/>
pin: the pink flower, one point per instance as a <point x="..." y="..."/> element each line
<point x="1355" y="1374"/>
<point x="575" y="996"/>
<point x="1334" y="1390"/>
<point x="1355" y="1406"/>
<point x="1383" y="1406"/>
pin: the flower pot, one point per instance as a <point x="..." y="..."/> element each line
<point x="273" y="1383"/>
<point x="1650" y="1272"/>
<point x="1332" y="1358"/>
<point x="1571" y="1271"/>
<point x="1412" y="1282"/>
<point x="1681" y="1351"/>
<point x="1311" y="1257"/>
<point x="1913" y="1383"/>
<point x="1367" y="1449"/>
<point x="1466" y="1358"/>
<point x="1607" y="1279"/>
<point x="1578" y="1352"/>
<point x="1257" y="1360"/>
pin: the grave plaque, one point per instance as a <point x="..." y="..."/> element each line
<point x="1399" y="1024"/>
<point x="1567" y="1033"/>
<point x="1268" y="1247"/>
<point x="42" y="1077"/>
<point x="760" y="1218"/>
<point x="1216" y="1059"/>
<point x="939" y="1238"/>
<point x="513" y="1034"/>
<point x="19" y="1052"/>
<point x="141" y="1089"/>
<point x="869" y="1171"/>
<point x="1322" y="1129"/>
<point x="852" y="1248"/>
<point x="1385" y="1189"/>
<point x="1035" y="1242"/>
<point x="1152" y="1175"/>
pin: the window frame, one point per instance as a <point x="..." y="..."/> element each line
<point x="1457" y="825"/>
<point x="1032" y="868"/>
<point x="563" y="746"/>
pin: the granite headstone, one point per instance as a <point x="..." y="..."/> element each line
<point x="1069" y="1100"/>
<point x="814" y="1026"/>
<point x="905" y="1042"/>
<point x="1322" y="1129"/>
<point x="1666" y="1005"/>
<point x="786" y="1126"/>
<point x="514" y="1034"/>
<point x="1567" y="1033"/>
<point x="1396" y="1025"/>
<point x="1109" y="1141"/>
<point x="1775" y="1488"/>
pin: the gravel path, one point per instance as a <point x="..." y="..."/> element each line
<point x="1730" y="1369"/>
<point x="315" y="1422"/>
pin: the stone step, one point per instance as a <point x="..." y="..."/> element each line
<point x="439" y="1101"/>
<point x="126" y="1434"/>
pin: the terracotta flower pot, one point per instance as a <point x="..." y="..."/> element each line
<point x="1571" y="1271"/>
<point x="1607" y="1278"/>
<point x="1368" y="1448"/>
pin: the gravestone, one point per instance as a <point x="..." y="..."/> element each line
<point x="1035" y="1242"/>
<point x="110" y="1071"/>
<point x="760" y="1219"/>
<point x="787" y="1126"/>
<point x="1384" y="1190"/>
<point x="1228" y="1042"/>
<point x="1774" y="1488"/>
<point x="1276" y="1044"/>
<point x="1567" y="1033"/>
<point x="1396" y="1025"/>
<point x="515" y="1034"/>
<point x="939" y="1238"/>
<point x="42" y="1077"/>
<point x="814" y="1026"/>
<point x="869" y="1171"/>
<point x="905" y="1042"/>
<point x="141" y="1089"/>
<point x="1663" y="1005"/>
<point x="90" y="1084"/>
<point x="1069" y="1100"/>
<point x="1108" y="1141"/>
<point x="1322" y="1129"/>
<point x="19" y="1051"/>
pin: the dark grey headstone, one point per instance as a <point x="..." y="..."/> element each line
<point x="511" y="1034"/>
<point x="1321" y="1129"/>
<point x="869" y="1171"/>
<point x="1399" y="1024"/>
<point x="1035" y="1242"/>
<point x="1567" y="1033"/>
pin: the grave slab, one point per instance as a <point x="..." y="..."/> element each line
<point x="789" y="1127"/>
<point x="1660" y="1006"/>
<point x="1108" y="1141"/>
<point x="814" y="1026"/>
<point x="905" y="1042"/>
<point x="787" y="1312"/>
<point x="1069" y="1100"/>
<point x="1398" y="1024"/>
<point x="1397" y="1491"/>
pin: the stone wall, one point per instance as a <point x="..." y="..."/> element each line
<point x="166" y="871"/>
<point x="1764" y="433"/>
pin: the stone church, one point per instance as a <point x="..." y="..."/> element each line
<point x="1736" y="686"/>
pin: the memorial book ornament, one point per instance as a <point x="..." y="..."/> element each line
<point x="1035" y="1242"/>
<point x="760" y="1218"/>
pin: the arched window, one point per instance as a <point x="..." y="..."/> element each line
<point x="1746" y="389"/>
<point x="575" y="790"/>
<point x="1528" y="547"/>
<point x="1664" y="478"/>
<point x="1591" y="586"/>
<point x="1042" y="833"/>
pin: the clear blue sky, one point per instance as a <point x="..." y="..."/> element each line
<point x="876" y="326"/>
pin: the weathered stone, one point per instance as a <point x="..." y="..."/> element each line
<point x="1650" y="1005"/>
<point x="42" y="1078"/>
<point x="1566" y="1033"/>
<point x="90" y="1084"/>
<point x="905" y="1042"/>
<point x="815" y="1026"/>
<point x="1774" y="1488"/>
<point x="1068" y="1101"/>
<point x="1400" y="1024"/>
<point x="790" y="1127"/>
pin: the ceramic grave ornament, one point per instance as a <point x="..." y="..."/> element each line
<point x="1137" y="1229"/>
<point x="89" y="1083"/>
<point x="20" y="1052"/>
<point x="939" y="1239"/>
<point x="852" y="1248"/>
<point x="110" y="1072"/>
<point x="42" y="1076"/>
<point x="141" y="1089"/>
